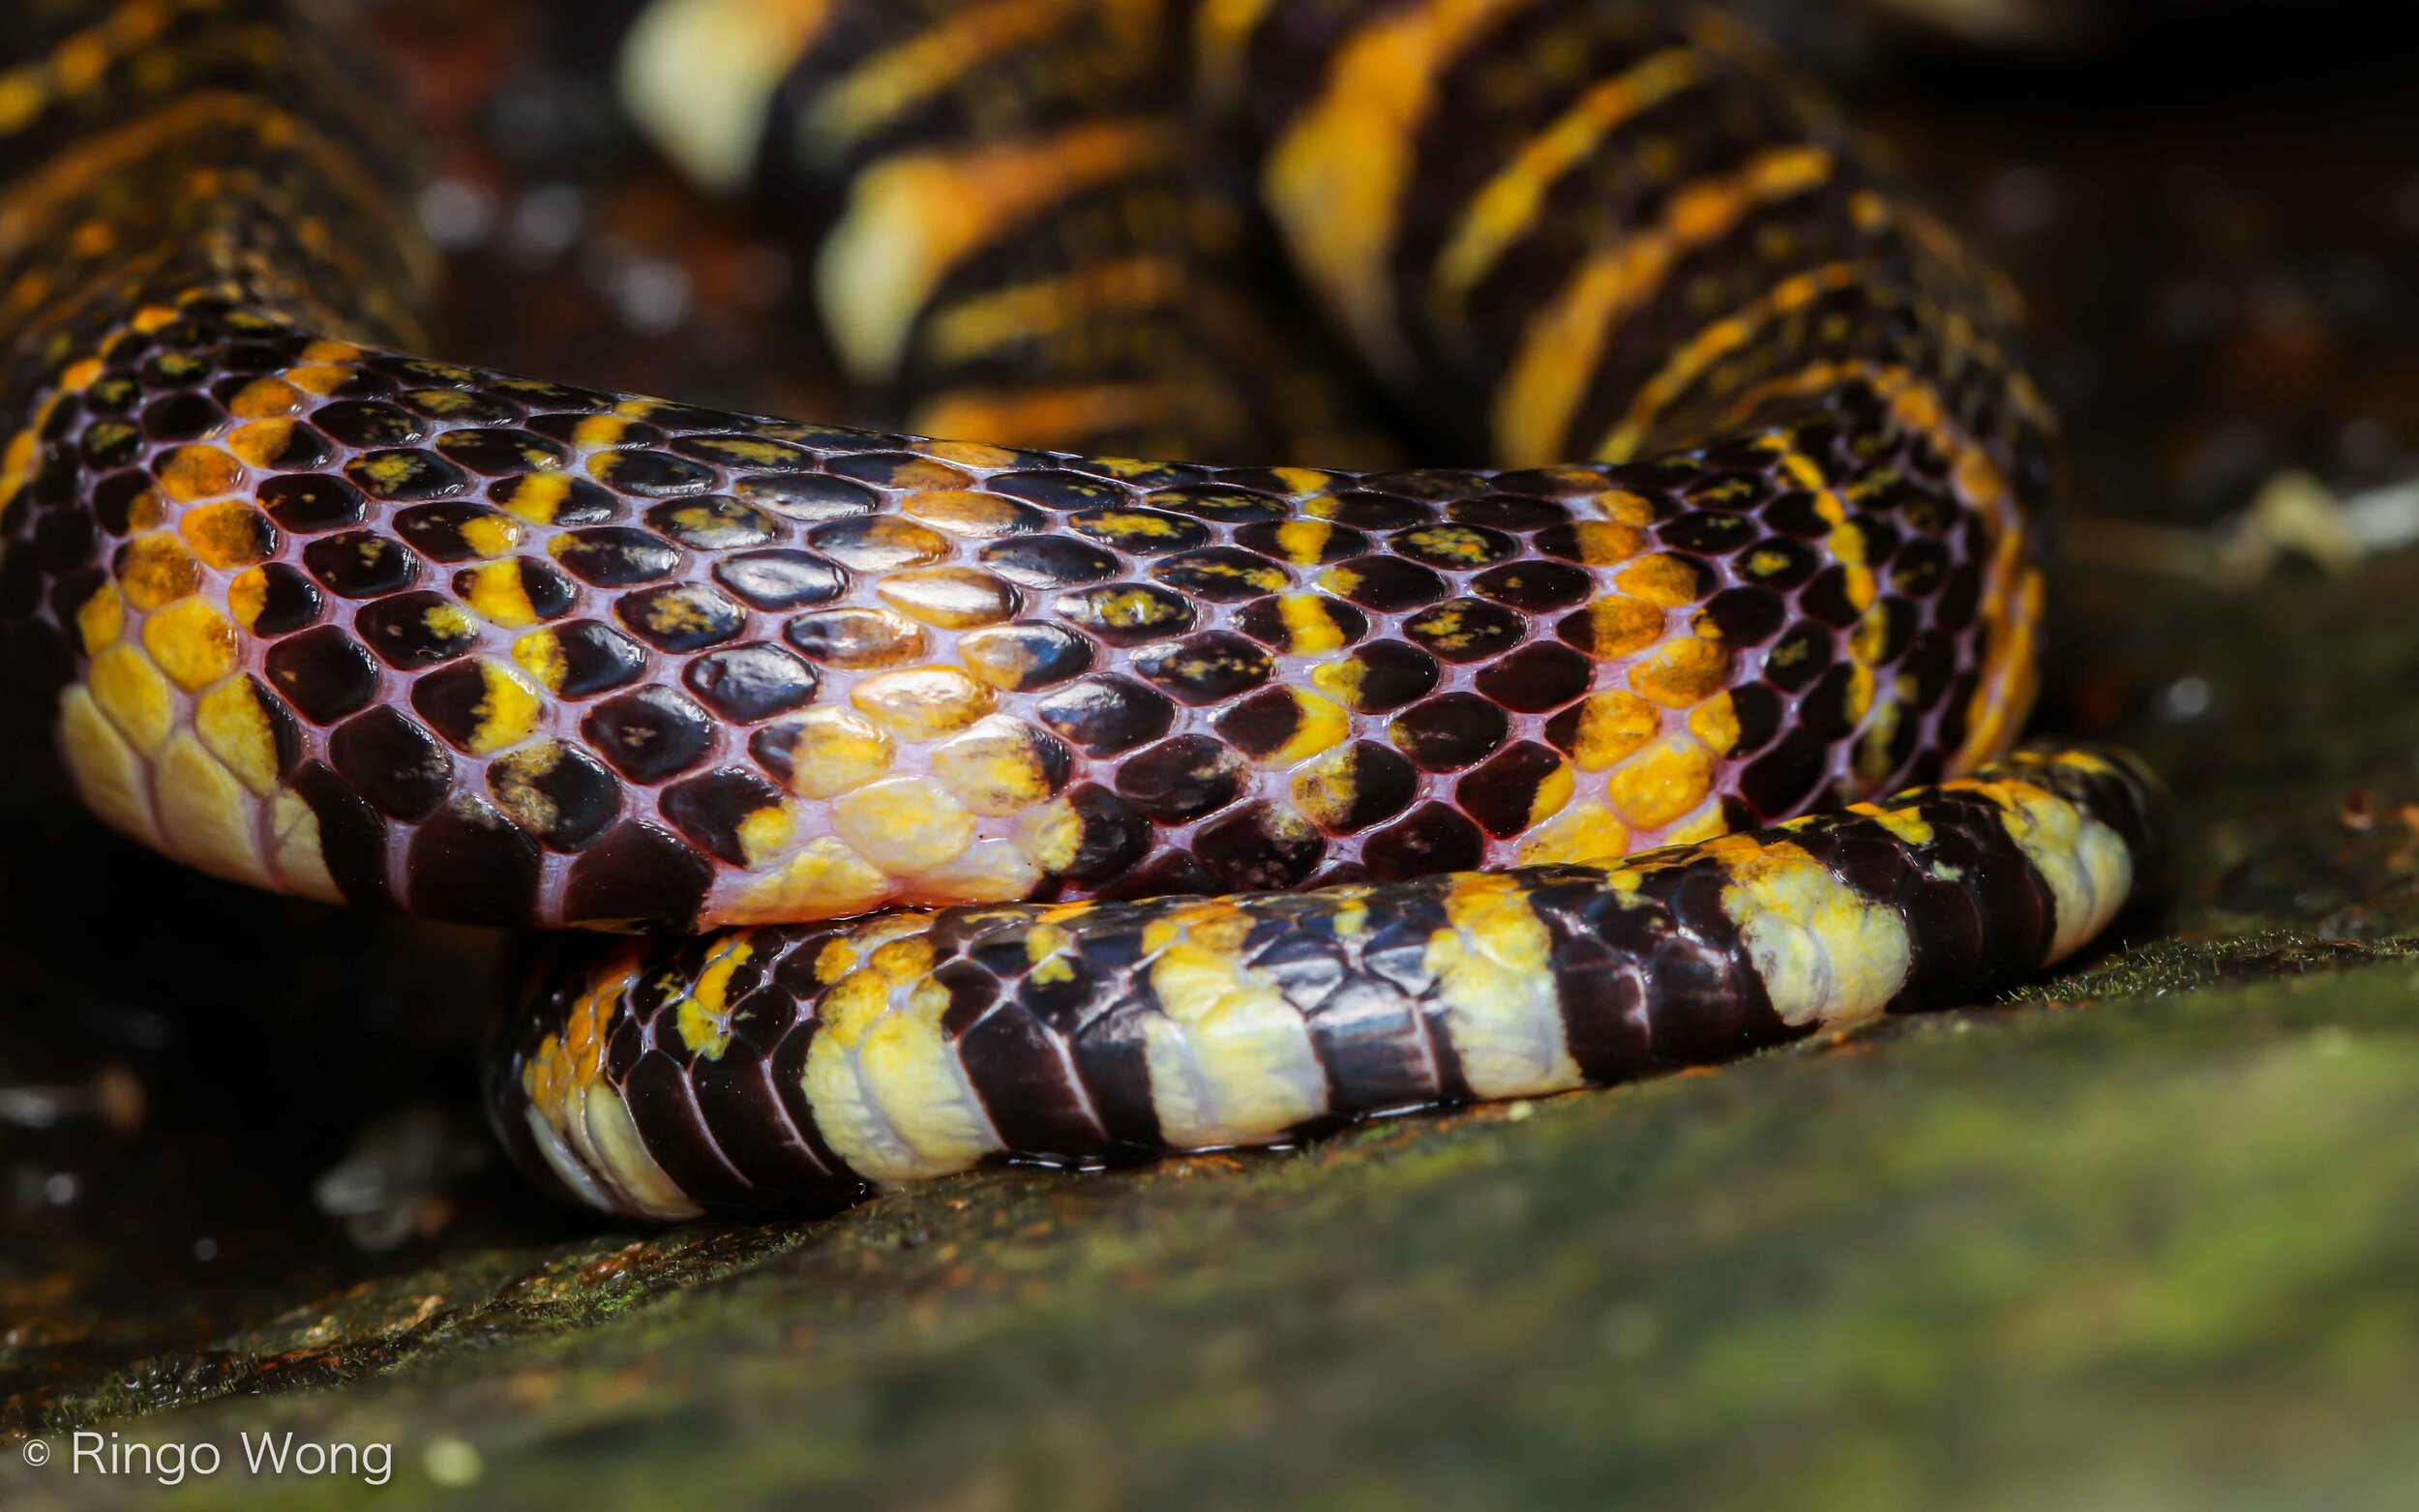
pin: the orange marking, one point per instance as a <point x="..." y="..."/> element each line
<point x="65" y="175"/>
<point x="1734" y="332"/>
<point x="987" y="322"/>
<point x="1508" y="203"/>
<point x="1335" y="181"/>
<point x="882" y="88"/>
<point x="1568" y="337"/>
<point x="913" y="217"/>
<point x="1050" y="417"/>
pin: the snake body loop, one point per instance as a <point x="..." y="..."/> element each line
<point x="314" y="613"/>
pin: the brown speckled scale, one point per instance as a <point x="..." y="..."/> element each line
<point x="318" y="614"/>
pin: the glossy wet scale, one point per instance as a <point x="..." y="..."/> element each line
<point x="733" y="613"/>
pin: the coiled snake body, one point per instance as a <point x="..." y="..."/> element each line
<point x="311" y="613"/>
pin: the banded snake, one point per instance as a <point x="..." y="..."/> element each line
<point x="964" y="801"/>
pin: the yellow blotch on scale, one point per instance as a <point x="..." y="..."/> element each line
<point x="1231" y="1060"/>
<point x="988" y="871"/>
<point x="538" y="496"/>
<point x="597" y="434"/>
<point x="509" y="711"/>
<point x="836" y="751"/>
<point x="1618" y="626"/>
<point x="1051" y="836"/>
<point x="1494" y="970"/>
<point x="111" y="777"/>
<point x="191" y="474"/>
<point x="192" y="642"/>
<point x="493" y="535"/>
<point x="156" y="570"/>
<point x="885" y="1085"/>
<point x="2086" y="864"/>
<point x="266" y="399"/>
<point x="903" y="824"/>
<point x="518" y="779"/>
<point x="1310" y="627"/>
<point x="227" y="535"/>
<point x="1319" y="725"/>
<point x="1662" y="579"/>
<point x="1613" y="724"/>
<point x="1683" y="671"/>
<point x="497" y="593"/>
<point x="247" y="595"/>
<point x="1587" y="833"/>
<point x="448" y="622"/>
<point x="1663" y="780"/>
<point x="1909" y="824"/>
<point x="1458" y="545"/>
<point x="824" y="880"/>
<point x="1715" y="722"/>
<point x="1605" y="543"/>
<point x="1305" y="541"/>
<point x="320" y="378"/>
<point x="206" y="817"/>
<point x="703" y="1017"/>
<point x="1553" y="791"/>
<point x="262" y="442"/>
<point x="767" y="832"/>
<point x="923" y="703"/>
<point x="232" y="723"/>
<point x="963" y="512"/>
<point x="998" y="768"/>
<point x="539" y="654"/>
<point x="1326" y="789"/>
<point x="1340" y="680"/>
<point x="1136" y="609"/>
<point x="101" y="618"/>
<point x="296" y="855"/>
<point x="1825" y="953"/>
<point x="129" y="690"/>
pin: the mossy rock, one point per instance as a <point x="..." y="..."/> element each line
<point x="2138" y="1236"/>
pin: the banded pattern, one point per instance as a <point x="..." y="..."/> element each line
<point x="1010" y="236"/>
<point x="782" y="1065"/>
<point x="317" y="613"/>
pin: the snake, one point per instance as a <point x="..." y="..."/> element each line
<point x="891" y="806"/>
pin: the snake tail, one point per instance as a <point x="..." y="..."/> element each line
<point x="806" y="1066"/>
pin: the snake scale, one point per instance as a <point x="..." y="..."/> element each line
<point x="951" y="801"/>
